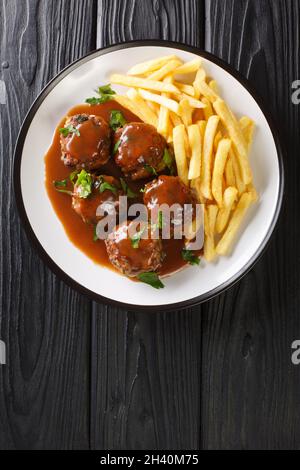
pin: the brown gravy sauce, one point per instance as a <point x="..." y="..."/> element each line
<point x="81" y="234"/>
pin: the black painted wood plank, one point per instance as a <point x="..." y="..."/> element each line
<point x="44" y="388"/>
<point x="250" y="388"/>
<point x="145" y="366"/>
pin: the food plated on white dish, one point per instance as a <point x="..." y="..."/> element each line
<point x="164" y="136"/>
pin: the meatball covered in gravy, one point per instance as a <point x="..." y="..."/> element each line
<point x="101" y="191"/>
<point x="85" y="141"/>
<point x="139" y="150"/>
<point x="133" y="256"/>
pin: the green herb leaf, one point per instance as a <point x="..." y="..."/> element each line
<point x="116" y="146"/>
<point x="65" y="131"/>
<point x="160" y="220"/>
<point x="105" y="93"/>
<point x="84" y="183"/>
<point x="142" y="190"/>
<point x="116" y="120"/>
<point x="95" y="237"/>
<point x="152" y="279"/>
<point x="60" y="184"/>
<point x="107" y="186"/>
<point x="189" y="257"/>
<point x="129" y="193"/>
<point x="150" y="169"/>
<point x="73" y="176"/>
<point x="135" y="240"/>
<point x="105" y="90"/>
<point x="169" y="161"/>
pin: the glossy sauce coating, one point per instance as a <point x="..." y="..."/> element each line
<point x="88" y="145"/>
<point x="140" y="146"/>
<point x="81" y="234"/>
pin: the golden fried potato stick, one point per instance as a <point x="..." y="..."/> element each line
<point x="151" y="65"/>
<point x="206" y="171"/>
<point x="229" y="198"/>
<point x="225" y="244"/>
<point x="218" y="171"/>
<point x="235" y="133"/>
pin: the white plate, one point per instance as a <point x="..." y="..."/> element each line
<point x="192" y="285"/>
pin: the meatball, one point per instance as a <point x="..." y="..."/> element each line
<point x="139" y="150"/>
<point x="88" y="142"/>
<point x="130" y="256"/>
<point x="106" y="195"/>
<point x="169" y="190"/>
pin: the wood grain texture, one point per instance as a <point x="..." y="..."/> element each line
<point x="250" y="388"/>
<point x="145" y="366"/>
<point x="44" y="388"/>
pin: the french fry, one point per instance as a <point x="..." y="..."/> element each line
<point x="129" y="104"/>
<point x="247" y="126"/>
<point x="154" y="107"/>
<point x="207" y="91"/>
<point x="210" y="215"/>
<point x="164" y="125"/>
<point x="208" y="111"/>
<point x="202" y="127"/>
<point x="187" y="89"/>
<point x="227" y="239"/>
<point x="188" y="67"/>
<point x="214" y="86"/>
<point x="164" y="70"/>
<point x="185" y="112"/>
<point x="192" y="101"/>
<point x="195" y="142"/>
<point x="162" y="100"/>
<point x="229" y="198"/>
<point x="151" y="65"/>
<point x="210" y="132"/>
<point x="218" y="171"/>
<point x="200" y="76"/>
<point x="149" y="116"/>
<point x="229" y="173"/>
<point x="217" y="140"/>
<point x="175" y="119"/>
<point x="237" y="173"/>
<point x="144" y="83"/>
<point x="235" y="133"/>
<point x="180" y="153"/>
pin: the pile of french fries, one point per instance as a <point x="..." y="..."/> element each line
<point x="211" y="146"/>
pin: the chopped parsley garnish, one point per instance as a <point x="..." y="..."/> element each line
<point x="150" y="169"/>
<point x="84" y="184"/>
<point x="95" y="237"/>
<point x="160" y="222"/>
<point x="129" y="193"/>
<point x="116" y="120"/>
<point x="62" y="184"/>
<point x="169" y="161"/>
<point x="65" y="131"/>
<point x="116" y="146"/>
<point x="73" y="176"/>
<point x="143" y="190"/>
<point x="189" y="257"/>
<point x="105" y="186"/>
<point x="105" y="93"/>
<point x="135" y="240"/>
<point x="152" y="279"/>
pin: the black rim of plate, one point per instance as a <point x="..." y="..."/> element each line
<point x="26" y="223"/>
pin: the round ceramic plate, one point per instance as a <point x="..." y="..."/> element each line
<point x="192" y="285"/>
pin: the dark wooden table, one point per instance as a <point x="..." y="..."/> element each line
<point x="83" y="375"/>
